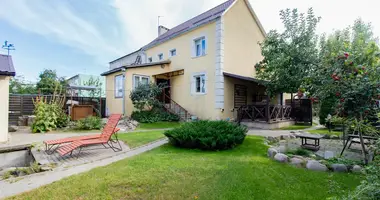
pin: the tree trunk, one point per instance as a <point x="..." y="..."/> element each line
<point x="362" y="141"/>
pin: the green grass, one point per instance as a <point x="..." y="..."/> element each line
<point x="172" y="173"/>
<point x="158" y="125"/>
<point x="135" y="139"/>
<point x="325" y="131"/>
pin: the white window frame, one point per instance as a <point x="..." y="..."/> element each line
<point x="160" y="54"/>
<point x="202" y="76"/>
<point x="118" y="94"/>
<point x="150" y="59"/>
<point x="134" y="84"/>
<point x="203" y="46"/>
<point x="171" y="52"/>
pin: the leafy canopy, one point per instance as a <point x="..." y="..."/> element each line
<point x="48" y="81"/>
<point x="289" y="56"/>
<point x="144" y="96"/>
<point x="18" y="85"/>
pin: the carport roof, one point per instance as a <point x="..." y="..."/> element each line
<point x="246" y="78"/>
<point x="6" y="66"/>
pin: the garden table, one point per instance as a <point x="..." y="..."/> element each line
<point x="304" y="137"/>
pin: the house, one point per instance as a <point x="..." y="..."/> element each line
<point x="6" y="72"/>
<point x="207" y="62"/>
<point x="87" y="80"/>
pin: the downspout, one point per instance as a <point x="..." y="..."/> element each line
<point x="123" y="70"/>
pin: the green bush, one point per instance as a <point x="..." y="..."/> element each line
<point x="299" y="152"/>
<point x="89" y="123"/>
<point x="154" y="115"/>
<point x="327" y="107"/>
<point x="207" y="135"/>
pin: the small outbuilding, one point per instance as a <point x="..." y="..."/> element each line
<point x="6" y="72"/>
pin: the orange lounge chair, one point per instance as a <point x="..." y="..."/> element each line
<point x="105" y="139"/>
<point x="52" y="145"/>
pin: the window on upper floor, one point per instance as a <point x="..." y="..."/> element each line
<point x="150" y="59"/>
<point x="173" y="52"/>
<point x="200" y="47"/>
<point x="139" y="80"/>
<point x="119" y="86"/>
<point x="199" y="83"/>
<point x="160" y="56"/>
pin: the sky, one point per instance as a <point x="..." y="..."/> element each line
<point x="73" y="36"/>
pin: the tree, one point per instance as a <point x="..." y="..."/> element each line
<point x="95" y="82"/>
<point x="49" y="81"/>
<point x="289" y="56"/>
<point x="18" y="85"/>
<point x="145" y="96"/>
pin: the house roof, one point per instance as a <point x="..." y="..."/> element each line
<point x="246" y="78"/>
<point x="125" y="56"/>
<point x="6" y="66"/>
<point x="134" y="66"/>
<point x="195" y="22"/>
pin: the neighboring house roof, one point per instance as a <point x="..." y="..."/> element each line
<point x="126" y="56"/>
<point x="6" y="66"/>
<point x="195" y="22"/>
<point x="134" y="66"/>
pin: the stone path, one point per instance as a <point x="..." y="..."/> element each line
<point x="30" y="182"/>
<point x="273" y="133"/>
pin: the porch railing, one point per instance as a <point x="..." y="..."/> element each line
<point x="268" y="113"/>
<point x="174" y="108"/>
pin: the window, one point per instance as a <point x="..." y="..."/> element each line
<point x="119" y="86"/>
<point x="200" y="84"/>
<point x="200" y="47"/>
<point x="160" y="56"/>
<point x="139" y="80"/>
<point x="173" y="52"/>
<point x="150" y="59"/>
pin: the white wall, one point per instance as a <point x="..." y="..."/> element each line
<point x="128" y="60"/>
<point x="4" y="106"/>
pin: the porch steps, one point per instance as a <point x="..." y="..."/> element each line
<point x="176" y="109"/>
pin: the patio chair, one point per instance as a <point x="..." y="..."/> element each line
<point x="52" y="145"/>
<point x="105" y="139"/>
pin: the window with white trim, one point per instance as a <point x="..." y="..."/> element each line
<point x="200" y="46"/>
<point x="200" y="84"/>
<point x="139" y="80"/>
<point x="119" y="86"/>
<point x="150" y="59"/>
<point x="173" y="52"/>
<point x="160" y="56"/>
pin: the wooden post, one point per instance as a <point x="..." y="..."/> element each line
<point x="267" y="109"/>
<point x="100" y="102"/>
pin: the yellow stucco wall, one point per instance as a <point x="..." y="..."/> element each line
<point x="113" y="105"/>
<point x="242" y="35"/>
<point x="4" y="106"/>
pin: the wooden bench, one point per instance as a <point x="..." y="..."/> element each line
<point x="356" y="139"/>
<point x="304" y="137"/>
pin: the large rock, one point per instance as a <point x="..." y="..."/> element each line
<point x="12" y="128"/>
<point x="328" y="154"/>
<point x="280" y="157"/>
<point x="285" y="137"/>
<point x="31" y="119"/>
<point x="339" y="168"/>
<point x="316" y="166"/>
<point x="272" y="152"/>
<point x="298" y="162"/>
<point x="357" y="169"/>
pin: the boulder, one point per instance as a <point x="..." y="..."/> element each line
<point x="357" y="169"/>
<point x="285" y="137"/>
<point x="280" y="157"/>
<point x="272" y="139"/>
<point x="334" y="137"/>
<point x="31" y="119"/>
<point x="12" y="128"/>
<point x="296" y="161"/>
<point x="316" y="166"/>
<point x="327" y="136"/>
<point x="328" y="154"/>
<point x="272" y="152"/>
<point x="339" y="168"/>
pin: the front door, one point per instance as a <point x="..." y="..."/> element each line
<point x="165" y="96"/>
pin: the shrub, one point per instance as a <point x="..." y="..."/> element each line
<point x="154" y="115"/>
<point x="207" y="135"/>
<point x="327" y="107"/>
<point x="89" y="123"/>
<point x="299" y="152"/>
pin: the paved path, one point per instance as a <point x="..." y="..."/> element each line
<point x="273" y="133"/>
<point x="37" y="180"/>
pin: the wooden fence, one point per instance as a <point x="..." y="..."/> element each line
<point x="20" y="105"/>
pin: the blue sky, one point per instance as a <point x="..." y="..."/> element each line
<point x="82" y="36"/>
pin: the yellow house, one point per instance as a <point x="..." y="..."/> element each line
<point x="6" y="71"/>
<point x="208" y="63"/>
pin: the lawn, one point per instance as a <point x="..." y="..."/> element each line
<point x="158" y="125"/>
<point x="135" y="139"/>
<point x="173" y="173"/>
<point x="325" y="131"/>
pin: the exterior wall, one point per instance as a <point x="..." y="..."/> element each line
<point x="203" y="106"/>
<point x="113" y="105"/>
<point x="4" y="106"/>
<point x="128" y="60"/>
<point x="241" y="37"/>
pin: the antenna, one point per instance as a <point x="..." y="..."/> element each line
<point x="9" y="47"/>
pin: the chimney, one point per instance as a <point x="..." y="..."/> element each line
<point x="162" y="30"/>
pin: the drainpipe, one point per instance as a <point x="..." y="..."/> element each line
<point x="123" y="70"/>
